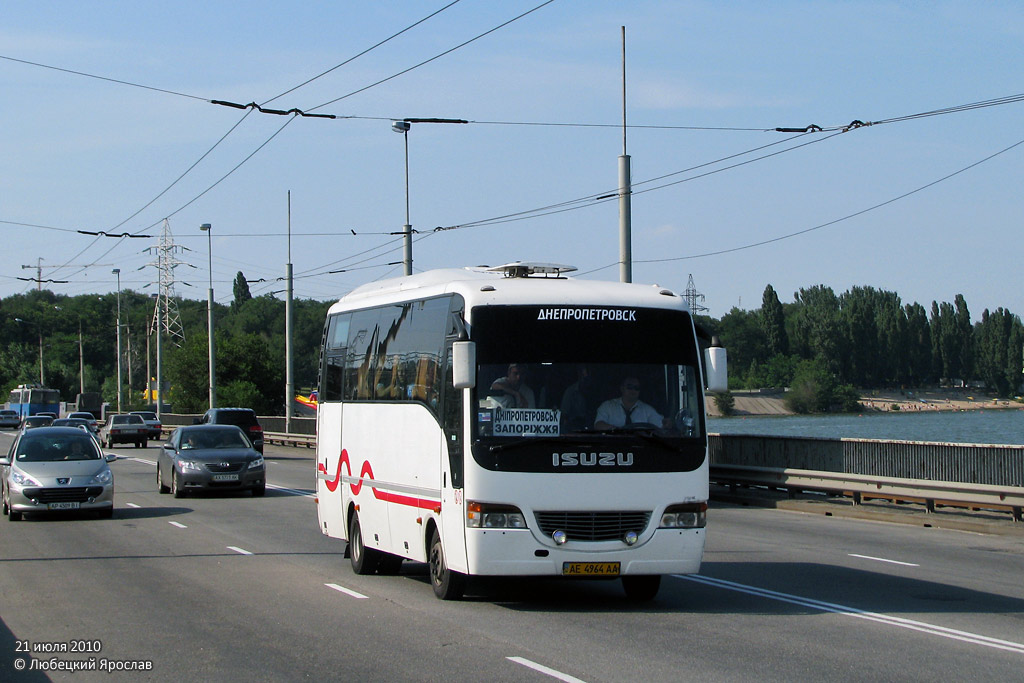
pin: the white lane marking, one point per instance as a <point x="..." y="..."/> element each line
<point x="545" y="670"/>
<point x="882" y="559"/>
<point x="346" y="591"/>
<point x="178" y="524"/>
<point x="284" y="489"/>
<point x="295" y="492"/>
<point x="131" y="505"/>
<point x="923" y="627"/>
<point x="238" y="550"/>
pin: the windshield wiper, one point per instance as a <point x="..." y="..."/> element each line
<point x="648" y="434"/>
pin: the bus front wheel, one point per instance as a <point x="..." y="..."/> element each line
<point x="364" y="560"/>
<point x="447" y="584"/>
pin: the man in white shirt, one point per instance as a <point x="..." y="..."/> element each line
<point x="628" y="409"/>
<point x="517" y="394"/>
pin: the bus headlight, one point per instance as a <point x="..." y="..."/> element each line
<point x="494" y="516"/>
<point x="685" y="516"/>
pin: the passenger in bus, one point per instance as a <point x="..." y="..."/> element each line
<point x="578" y="401"/>
<point x="513" y="385"/>
<point x="628" y="409"/>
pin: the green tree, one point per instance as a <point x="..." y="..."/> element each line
<point x="817" y="329"/>
<point x="919" y="346"/>
<point x="964" y="337"/>
<point x="742" y="335"/>
<point x="241" y="291"/>
<point x="773" y="323"/>
<point x="998" y="344"/>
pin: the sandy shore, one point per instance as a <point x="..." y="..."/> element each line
<point x="880" y="401"/>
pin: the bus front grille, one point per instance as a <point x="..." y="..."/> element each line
<point x="593" y="526"/>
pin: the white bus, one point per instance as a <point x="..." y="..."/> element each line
<point x="476" y="420"/>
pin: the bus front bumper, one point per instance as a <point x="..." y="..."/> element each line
<point x="516" y="552"/>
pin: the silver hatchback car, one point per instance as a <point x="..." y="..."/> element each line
<point x="56" y="469"/>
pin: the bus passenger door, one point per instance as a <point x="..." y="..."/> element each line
<point x="453" y="503"/>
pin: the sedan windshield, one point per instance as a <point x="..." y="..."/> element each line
<point x="213" y="438"/>
<point x="57" y="448"/>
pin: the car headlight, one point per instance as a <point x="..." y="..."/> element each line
<point x="256" y="464"/>
<point x="22" y="479"/>
<point x="685" y="516"/>
<point x="104" y="477"/>
<point x="492" y="516"/>
<point x="189" y="465"/>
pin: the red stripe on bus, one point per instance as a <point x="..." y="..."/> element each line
<point x="332" y="485"/>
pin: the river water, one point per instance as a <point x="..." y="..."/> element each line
<point x="989" y="426"/>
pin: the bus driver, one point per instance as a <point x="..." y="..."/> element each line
<point x="628" y="409"/>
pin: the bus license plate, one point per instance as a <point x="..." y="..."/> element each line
<point x="590" y="568"/>
<point x="225" y="477"/>
<point x="62" y="506"/>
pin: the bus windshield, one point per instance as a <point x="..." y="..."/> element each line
<point x="602" y="378"/>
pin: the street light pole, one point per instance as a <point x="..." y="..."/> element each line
<point x="403" y="127"/>
<point x="289" y="367"/>
<point x="117" y="272"/>
<point x="207" y="228"/>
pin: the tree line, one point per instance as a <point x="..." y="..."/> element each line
<point x="822" y="346"/>
<point x="867" y="338"/>
<point x="249" y="342"/>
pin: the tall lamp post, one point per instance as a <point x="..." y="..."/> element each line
<point x="117" y="272"/>
<point x="403" y="127"/>
<point x="208" y="229"/>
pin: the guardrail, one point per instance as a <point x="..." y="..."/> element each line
<point x="282" y="439"/>
<point x="862" y="487"/>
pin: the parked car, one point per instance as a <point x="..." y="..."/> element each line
<point x="209" y="457"/>
<point x="153" y="426"/>
<point x="33" y="421"/>
<point x="124" y="429"/>
<point x="56" y="468"/>
<point x="10" y="419"/>
<point x="240" y="417"/>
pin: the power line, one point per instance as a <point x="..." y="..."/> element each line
<point x="826" y="224"/>
<point x="104" y="78"/>
<point x="435" y="57"/>
<point x="369" y="49"/>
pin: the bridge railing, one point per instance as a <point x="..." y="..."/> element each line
<point x="933" y="473"/>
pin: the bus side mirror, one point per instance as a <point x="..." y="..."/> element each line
<point x="464" y="364"/>
<point x="715" y="364"/>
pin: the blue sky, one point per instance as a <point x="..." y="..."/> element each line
<point x="705" y="81"/>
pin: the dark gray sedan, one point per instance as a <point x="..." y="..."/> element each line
<point x="210" y="458"/>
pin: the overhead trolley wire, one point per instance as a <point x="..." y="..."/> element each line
<point x="369" y="49"/>
<point x="821" y="225"/>
<point x="434" y="58"/>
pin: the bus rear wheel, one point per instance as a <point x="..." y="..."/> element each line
<point x="364" y="560"/>
<point x="641" y="588"/>
<point x="447" y="584"/>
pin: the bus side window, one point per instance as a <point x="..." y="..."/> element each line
<point x="335" y="339"/>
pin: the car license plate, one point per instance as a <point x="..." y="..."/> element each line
<point x="225" y="477"/>
<point x="62" y="506"/>
<point x="590" y="568"/>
